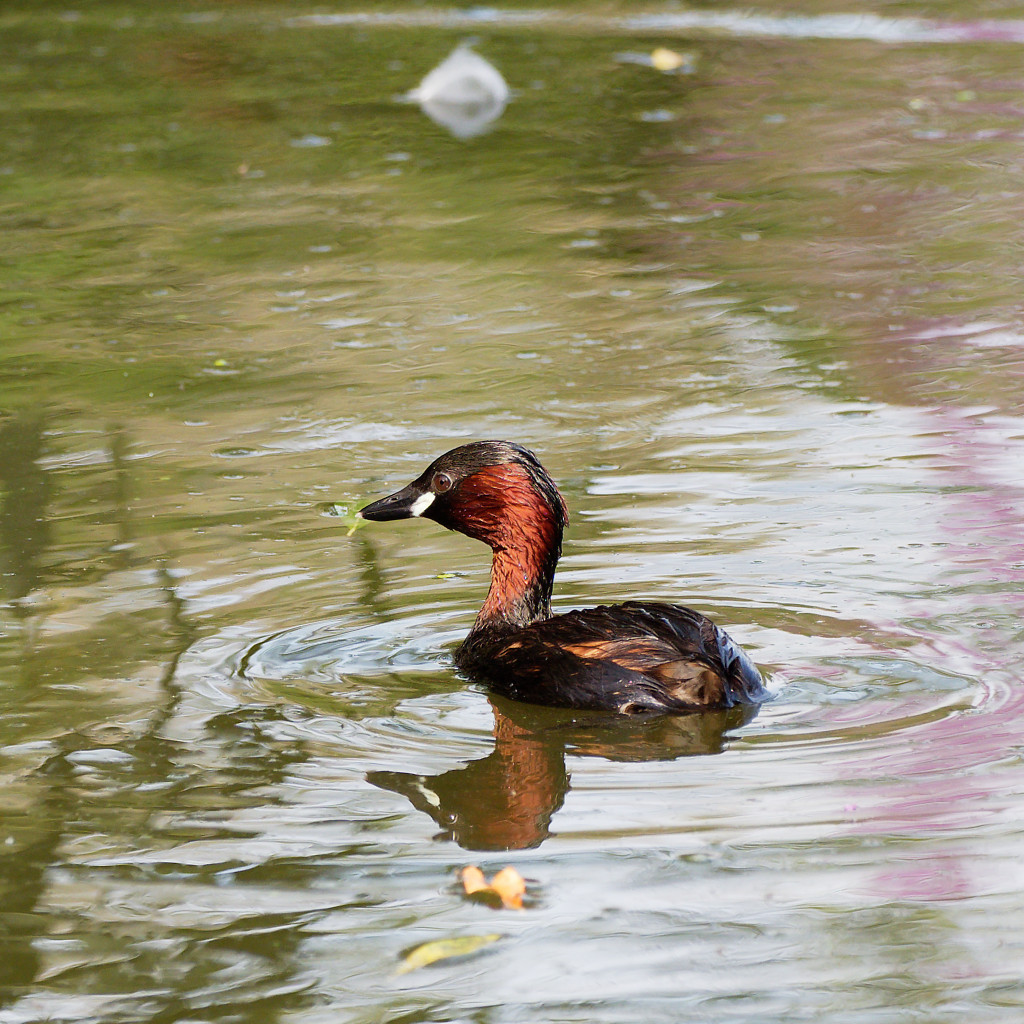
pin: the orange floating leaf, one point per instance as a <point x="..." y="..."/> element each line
<point x="506" y="889"/>
<point x="509" y="885"/>
<point x="472" y="879"/>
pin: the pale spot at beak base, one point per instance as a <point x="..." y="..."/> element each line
<point x="421" y="504"/>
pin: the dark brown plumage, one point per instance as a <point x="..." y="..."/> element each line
<point x="633" y="658"/>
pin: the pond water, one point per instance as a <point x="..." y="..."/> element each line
<point x="759" y="315"/>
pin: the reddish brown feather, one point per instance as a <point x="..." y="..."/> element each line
<point x="500" y="506"/>
<point x="683" y="678"/>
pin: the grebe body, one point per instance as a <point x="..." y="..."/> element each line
<point x="632" y="658"/>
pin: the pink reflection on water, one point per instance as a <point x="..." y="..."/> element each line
<point x="933" y="781"/>
<point x="940" y="877"/>
<point x="983" y="30"/>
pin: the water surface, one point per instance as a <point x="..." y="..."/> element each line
<point x="761" y="320"/>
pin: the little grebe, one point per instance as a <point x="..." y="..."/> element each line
<point x="641" y="656"/>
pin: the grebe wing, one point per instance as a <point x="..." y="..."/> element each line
<point x="633" y="657"/>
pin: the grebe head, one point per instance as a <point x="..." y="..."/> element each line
<point x="494" y="491"/>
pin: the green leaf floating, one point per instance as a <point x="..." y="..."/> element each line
<point x="346" y="515"/>
<point x="443" y="949"/>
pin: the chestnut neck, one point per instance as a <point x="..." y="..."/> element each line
<point x="523" y="527"/>
<point x="520" y="591"/>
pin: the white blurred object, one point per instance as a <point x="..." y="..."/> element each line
<point x="464" y="93"/>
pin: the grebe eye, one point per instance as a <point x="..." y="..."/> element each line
<point x="442" y="483"/>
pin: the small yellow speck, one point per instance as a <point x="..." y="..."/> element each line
<point x="664" y="59"/>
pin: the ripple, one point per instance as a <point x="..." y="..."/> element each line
<point x="871" y="27"/>
<point x="865" y="720"/>
<point x="395" y="679"/>
<point x="333" y="649"/>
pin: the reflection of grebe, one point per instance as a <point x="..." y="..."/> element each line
<point x="632" y="658"/>
<point x="506" y="800"/>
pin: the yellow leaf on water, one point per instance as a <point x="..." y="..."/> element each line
<point x="444" y="949"/>
<point x="667" y="60"/>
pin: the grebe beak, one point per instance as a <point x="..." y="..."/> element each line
<point x="410" y="501"/>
